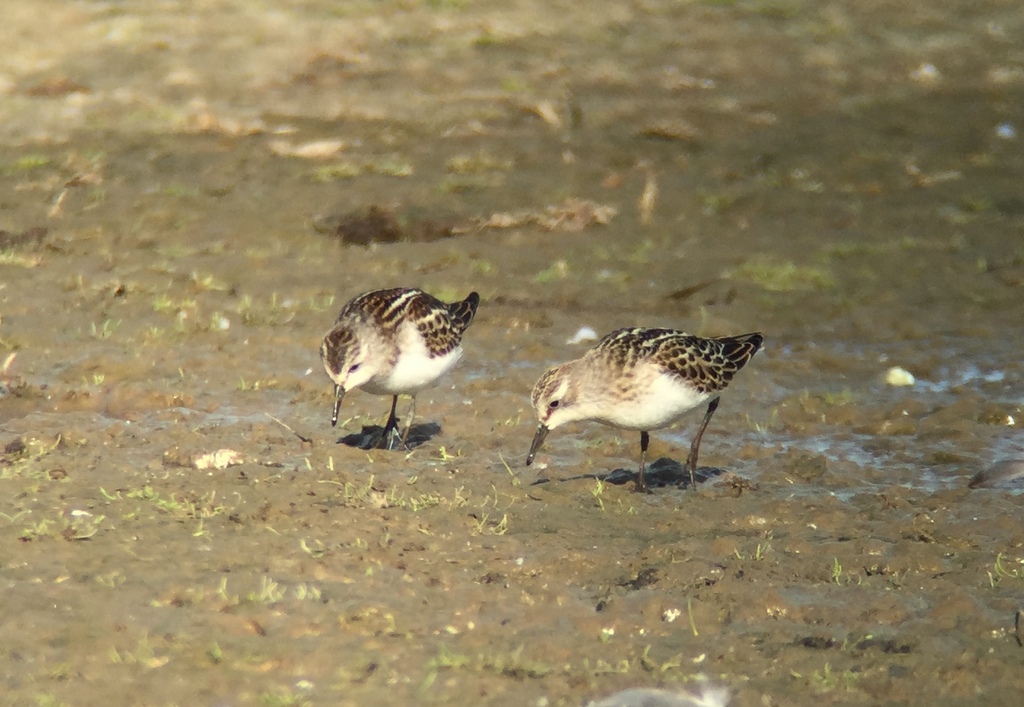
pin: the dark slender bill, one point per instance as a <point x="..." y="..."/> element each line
<point x="538" y="439"/>
<point x="338" y="395"/>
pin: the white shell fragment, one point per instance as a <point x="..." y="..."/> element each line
<point x="899" y="376"/>
<point x="221" y="459"/>
<point x="582" y="336"/>
<point x="702" y="696"/>
<point x="314" y="150"/>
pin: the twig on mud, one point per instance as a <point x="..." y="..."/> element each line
<point x="689" y="614"/>
<point x="1016" y="627"/>
<point x="650" y="194"/>
<point x="308" y="440"/>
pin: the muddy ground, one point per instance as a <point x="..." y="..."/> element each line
<point x="190" y="191"/>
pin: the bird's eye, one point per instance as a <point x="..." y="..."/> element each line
<point x="552" y="405"/>
<point x="352" y="369"/>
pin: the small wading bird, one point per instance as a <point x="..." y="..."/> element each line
<point x="641" y="379"/>
<point x="394" y="342"/>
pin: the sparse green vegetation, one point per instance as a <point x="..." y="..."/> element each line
<point x="643" y="253"/>
<point x="27" y="163"/>
<point x="207" y="283"/>
<point x="201" y="506"/>
<point x="392" y="166"/>
<point x="164" y="303"/>
<point x="254" y="386"/>
<point x="144" y="653"/>
<point x="190" y="506"/>
<point x="275" y="310"/>
<point x="484" y="524"/>
<point x="36" y="530"/>
<point x="715" y="203"/>
<point x="448" y="4"/>
<point x="760" y="550"/>
<point x="1000" y="571"/>
<point x="19" y="259"/>
<point x="784" y="276"/>
<point x="846" y="396"/>
<point x="598" y="493"/>
<point x="283" y="697"/>
<point x="559" y="270"/>
<point x="337" y="171"/>
<point x="514" y="84"/>
<point x="511" y="664"/>
<point x="483" y="267"/>
<point x="104" y="330"/>
<point x="763" y="428"/>
<point x="25" y="462"/>
<point x="837" y="571"/>
<point x="477" y="163"/>
<point x="826" y="680"/>
<point x="443" y="455"/>
<point x="473" y="181"/>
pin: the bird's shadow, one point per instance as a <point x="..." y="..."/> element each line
<point x="661" y="473"/>
<point x="372" y="437"/>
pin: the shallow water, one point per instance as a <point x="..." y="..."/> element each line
<point x="837" y="176"/>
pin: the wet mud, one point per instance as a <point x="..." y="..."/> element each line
<point x="190" y="194"/>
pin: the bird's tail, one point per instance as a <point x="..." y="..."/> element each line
<point x="464" y="311"/>
<point x="737" y="350"/>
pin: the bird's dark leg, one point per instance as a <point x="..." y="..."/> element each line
<point x="408" y="426"/>
<point x="391" y="426"/>
<point x="691" y="461"/>
<point x="645" y="441"/>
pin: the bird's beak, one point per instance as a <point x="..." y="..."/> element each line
<point x="339" y="393"/>
<point x="538" y="439"/>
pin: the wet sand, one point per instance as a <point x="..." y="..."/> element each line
<point x="192" y="192"/>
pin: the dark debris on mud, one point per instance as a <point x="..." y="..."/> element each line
<point x="661" y="473"/>
<point x="372" y="436"/>
<point x="383" y="224"/>
<point x="34" y="236"/>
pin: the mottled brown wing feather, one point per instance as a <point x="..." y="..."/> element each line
<point x="741" y="348"/>
<point x="440" y="324"/>
<point x="707" y="364"/>
<point x="375" y="305"/>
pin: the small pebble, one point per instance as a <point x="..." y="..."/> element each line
<point x="925" y="73"/>
<point x="1006" y="131"/>
<point x="705" y="696"/>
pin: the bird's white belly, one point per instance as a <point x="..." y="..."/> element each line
<point x="664" y="400"/>
<point x="414" y="369"/>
